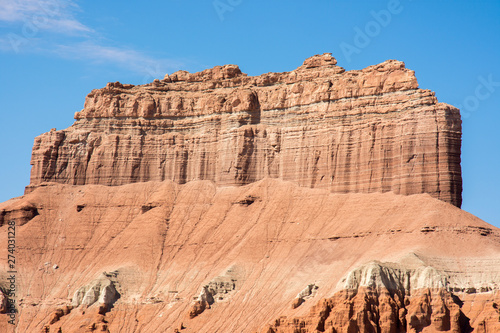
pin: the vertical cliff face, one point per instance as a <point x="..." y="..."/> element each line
<point x="370" y="130"/>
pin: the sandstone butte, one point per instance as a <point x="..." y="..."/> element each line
<point x="316" y="200"/>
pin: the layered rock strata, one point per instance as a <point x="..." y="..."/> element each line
<point x="370" y="130"/>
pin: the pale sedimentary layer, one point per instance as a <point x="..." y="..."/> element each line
<point x="370" y="130"/>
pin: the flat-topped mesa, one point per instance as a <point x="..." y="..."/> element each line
<point x="369" y="130"/>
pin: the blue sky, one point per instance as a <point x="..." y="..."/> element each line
<point x="54" y="52"/>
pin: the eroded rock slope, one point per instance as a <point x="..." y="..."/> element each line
<point x="159" y="256"/>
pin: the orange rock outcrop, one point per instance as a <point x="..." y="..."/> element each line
<point x="370" y="130"/>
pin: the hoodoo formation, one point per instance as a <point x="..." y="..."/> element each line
<point x="316" y="200"/>
<point x="370" y="130"/>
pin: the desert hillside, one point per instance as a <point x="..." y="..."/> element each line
<point x="159" y="244"/>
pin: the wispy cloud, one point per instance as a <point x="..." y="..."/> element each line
<point x="54" y="15"/>
<point x="123" y="57"/>
<point x="69" y="38"/>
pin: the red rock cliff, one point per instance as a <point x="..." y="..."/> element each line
<point x="370" y="130"/>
